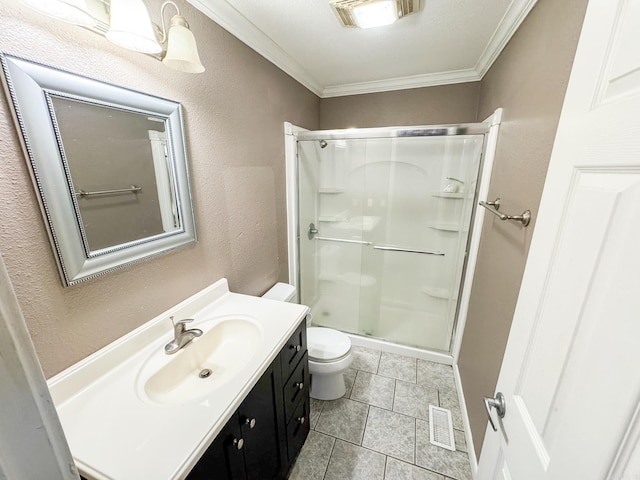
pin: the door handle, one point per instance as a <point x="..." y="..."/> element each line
<point x="499" y="404"/>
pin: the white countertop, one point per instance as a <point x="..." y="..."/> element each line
<point x="117" y="433"/>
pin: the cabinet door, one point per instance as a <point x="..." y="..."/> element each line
<point x="298" y="427"/>
<point x="296" y="387"/>
<point x="257" y="416"/>
<point x="223" y="460"/>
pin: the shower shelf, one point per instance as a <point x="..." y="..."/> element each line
<point x="442" y="293"/>
<point x="446" y="227"/>
<point x="331" y="190"/>
<point x="337" y="217"/>
<point x="454" y="196"/>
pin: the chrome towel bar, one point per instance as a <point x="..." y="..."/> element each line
<point x="132" y="189"/>
<point x="524" y="218"/>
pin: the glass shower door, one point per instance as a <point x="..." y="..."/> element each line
<point x="331" y="244"/>
<point x="390" y="217"/>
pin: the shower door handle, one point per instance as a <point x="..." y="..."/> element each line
<point x="499" y="404"/>
<point x="392" y="248"/>
<point x="312" y="233"/>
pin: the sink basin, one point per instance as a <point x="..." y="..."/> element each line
<point x="204" y="365"/>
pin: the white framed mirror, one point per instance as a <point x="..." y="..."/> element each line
<point x="109" y="165"/>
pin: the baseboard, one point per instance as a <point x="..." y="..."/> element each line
<point x="473" y="460"/>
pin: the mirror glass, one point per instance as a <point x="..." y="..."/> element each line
<point x="118" y="166"/>
<point x="109" y="165"/>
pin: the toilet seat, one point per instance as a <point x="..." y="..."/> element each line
<point x="327" y="345"/>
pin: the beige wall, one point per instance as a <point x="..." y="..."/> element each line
<point x="528" y="80"/>
<point x="418" y="106"/>
<point x="234" y="116"/>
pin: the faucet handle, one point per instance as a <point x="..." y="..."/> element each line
<point x="179" y="326"/>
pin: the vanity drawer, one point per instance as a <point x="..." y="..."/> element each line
<point x="296" y="387"/>
<point x="293" y="350"/>
<point x="298" y="427"/>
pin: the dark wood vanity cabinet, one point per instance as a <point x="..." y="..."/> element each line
<point x="224" y="459"/>
<point x="266" y="433"/>
<point x="294" y="413"/>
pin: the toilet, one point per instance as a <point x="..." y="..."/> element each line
<point x="329" y="351"/>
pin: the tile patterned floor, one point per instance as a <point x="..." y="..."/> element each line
<point x="380" y="428"/>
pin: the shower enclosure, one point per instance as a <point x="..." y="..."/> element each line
<point x="384" y="219"/>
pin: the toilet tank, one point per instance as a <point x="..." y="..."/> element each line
<point x="282" y="292"/>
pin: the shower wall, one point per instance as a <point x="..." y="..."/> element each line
<point x="366" y="196"/>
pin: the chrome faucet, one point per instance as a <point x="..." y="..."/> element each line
<point x="181" y="335"/>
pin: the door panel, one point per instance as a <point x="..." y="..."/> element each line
<point x="569" y="374"/>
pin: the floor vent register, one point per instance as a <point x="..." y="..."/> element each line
<point x="441" y="428"/>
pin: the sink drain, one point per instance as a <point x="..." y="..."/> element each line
<point x="205" y="373"/>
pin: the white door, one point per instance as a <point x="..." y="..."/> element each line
<point x="32" y="443"/>
<point x="571" y="371"/>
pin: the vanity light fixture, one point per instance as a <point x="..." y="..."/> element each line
<point x="182" y="51"/>
<point x="130" y="27"/>
<point x="126" y="23"/>
<point x="372" y="13"/>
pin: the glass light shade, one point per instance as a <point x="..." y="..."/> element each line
<point x="182" y="51"/>
<point x="376" y="14"/>
<point x="71" y="11"/>
<point x="130" y="27"/>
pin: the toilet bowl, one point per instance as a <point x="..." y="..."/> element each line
<point x="329" y="352"/>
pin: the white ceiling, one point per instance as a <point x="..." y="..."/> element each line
<point x="448" y="41"/>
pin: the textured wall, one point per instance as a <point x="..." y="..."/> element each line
<point x="528" y="80"/>
<point x="418" y="106"/>
<point x="233" y="115"/>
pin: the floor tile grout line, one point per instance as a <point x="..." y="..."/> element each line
<point x="387" y="456"/>
<point x="398" y="413"/>
<point x="365" y="424"/>
<point x="415" y="445"/>
<point x="393" y="399"/>
<point x="384" y="472"/>
<point x="394" y="378"/>
<point x="326" y="469"/>
<point x="375" y="451"/>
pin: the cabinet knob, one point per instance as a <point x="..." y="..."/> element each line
<point x="297" y="348"/>
<point x="301" y="420"/>
<point x="250" y="421"/>
<point x="238" y="443"/>
<point x="298" y="386"/>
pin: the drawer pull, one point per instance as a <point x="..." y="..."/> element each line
<point x="301" y="420"/>
<point x="297" y="348"/>
<point x="298" y="386"/>
<point x="238" y="443"/>
<point x="250" y="421"/>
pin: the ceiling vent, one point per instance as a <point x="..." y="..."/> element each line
<point x="344" y="10"/>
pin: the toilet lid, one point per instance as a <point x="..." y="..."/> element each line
<point x="325" y="344"/>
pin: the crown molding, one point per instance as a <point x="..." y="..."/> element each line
<point x="513" y="17"/>
<point x="221" y="12"/>
<point x="237" y="25"/>
<point x="402" y="83"/>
